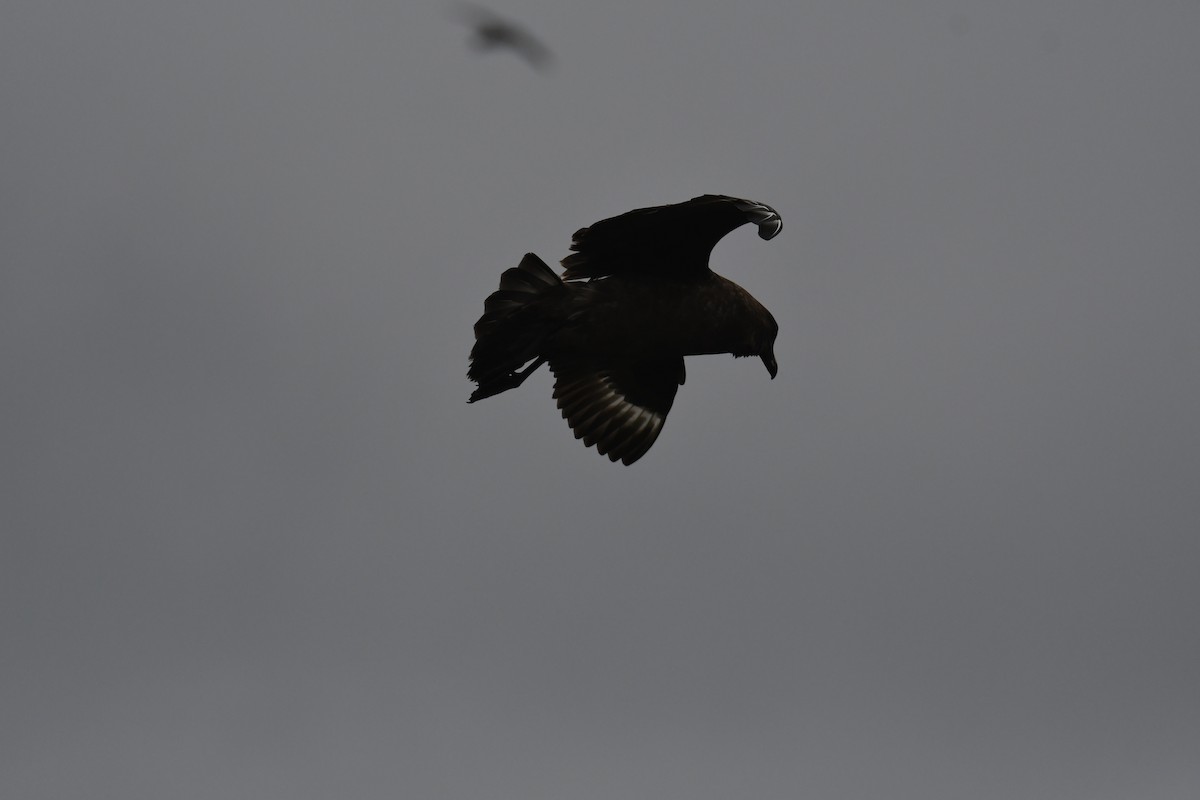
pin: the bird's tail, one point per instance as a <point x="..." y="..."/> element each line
<point x="516" y="320"/>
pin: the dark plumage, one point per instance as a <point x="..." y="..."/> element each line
<point x="493" y="32"/>
<point x="636" y="297"/>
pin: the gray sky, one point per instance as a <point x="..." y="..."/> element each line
<point x="255" y="543"/>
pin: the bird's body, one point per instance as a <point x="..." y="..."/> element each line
<point x="636" y="297"/>
<point x="633" y="318"/>
<point x="492" y="32"/>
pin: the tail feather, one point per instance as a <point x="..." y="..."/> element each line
<point x="516" y="319"/>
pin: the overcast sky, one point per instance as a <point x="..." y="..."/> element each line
<point x="255" y="544"/>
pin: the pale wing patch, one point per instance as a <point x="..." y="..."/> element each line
<point x="766" y="218"/>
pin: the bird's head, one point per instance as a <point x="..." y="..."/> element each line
<point x="768" y="359"/>
<point x="758" y="333"/>
<point x="767" y="348"/>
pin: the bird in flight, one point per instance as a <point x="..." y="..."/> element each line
<point x="493" y="32"/>
<point x="636" y="296"/>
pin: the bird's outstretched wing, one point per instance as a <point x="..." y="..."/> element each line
<point x="493" y="32"/>
<point x="672" y="241"/>
<point x="621" y="408"/>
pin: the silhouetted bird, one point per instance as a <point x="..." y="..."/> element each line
<point x="636" y="297"/>
<point x="492" y="32"/>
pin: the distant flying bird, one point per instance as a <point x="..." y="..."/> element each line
<point x="493" y="32"/>
<point x="636" y="296"/>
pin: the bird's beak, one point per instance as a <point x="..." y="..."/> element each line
<point x="769" y="362"/>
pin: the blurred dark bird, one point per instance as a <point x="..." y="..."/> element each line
<point x="493" y="32"/>
<point x="636" y="296"/>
